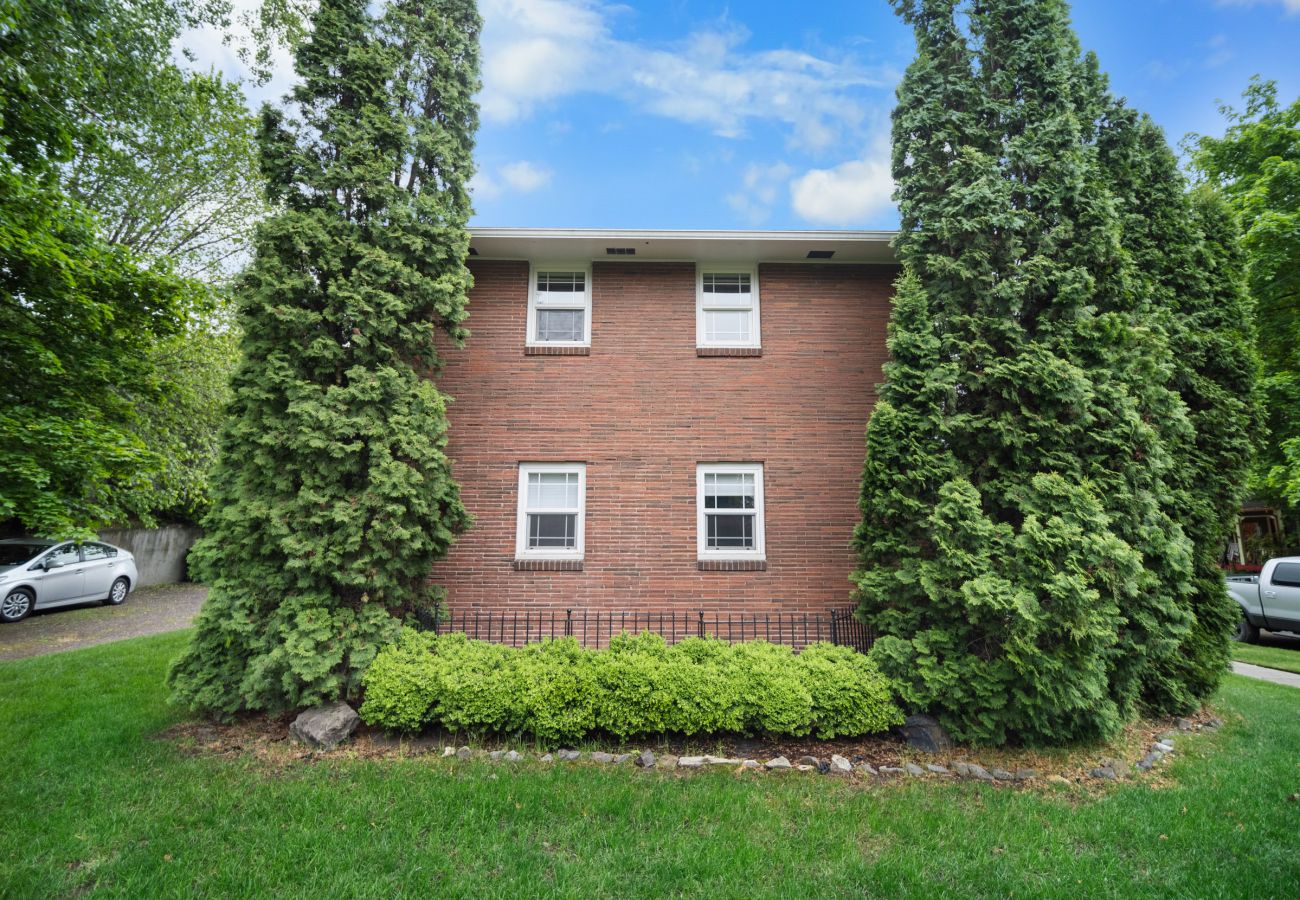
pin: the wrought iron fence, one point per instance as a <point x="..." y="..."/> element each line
<point x="594" y="628"/>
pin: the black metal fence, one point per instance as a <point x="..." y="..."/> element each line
<point x="594" y="628"/>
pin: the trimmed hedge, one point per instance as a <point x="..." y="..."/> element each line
<point x="558" y="692"/>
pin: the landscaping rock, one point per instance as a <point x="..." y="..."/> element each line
<point x="913" y="769"/>
<point x="1104" y="772"/>
<point x="568" y="755"/>
<point x="1025" y="775"/>
<point x="1118" y="766"/>
<point x="1214" y="724"/>
<point x="925" y="734"/>
<point x="840" y="766"/>
<point x="809" y="761"/>
<point x="600" y="756"/>
<point x="646" y="760"/>
<point x="1002" y="775"/>
<point x="691" y="762"/>
<point x="496" y="755"/>
<point x="1164" y="747"/>
<point x="1149" y="761"/>
<point x="779" y="762"/>
<point x="1184" y="724"/>
<point x="464" y="753"/>
<point x="977" y="771"/>
<point x="720" y="761"/>
<point x="325" y="727"/>
<point x="1058" y="780"/>
<point x="750" y="764"/>
<point x="514" y="756"/>
<point x="448" y="751"/>
<point x="869" y="769"/>
<point x="891" y="770"/>
<point x="622" y="758"/>
<point x="936" y="769"/>
<point x="667" y="761"/>
<point x="546" y="758"/>
<point x="962" y="768"/>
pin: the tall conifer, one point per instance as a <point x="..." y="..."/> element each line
<point x="1032" y="579"/>
<point x="333" y="494"/>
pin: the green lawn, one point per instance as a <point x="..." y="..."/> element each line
<point x="93" y="801"/>
<point x="1274" y="657"/>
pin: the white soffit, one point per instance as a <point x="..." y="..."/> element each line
<point x="575" y="244"/>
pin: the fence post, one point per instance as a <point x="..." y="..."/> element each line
<point x="568" y="623"/>
<point x="835" y="629"/>
<point x="701" y="627"/>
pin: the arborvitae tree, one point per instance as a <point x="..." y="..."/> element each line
<point x="333" y="495"/>
<point x="1029" y="577"/>
<point x="1188" y="274"/>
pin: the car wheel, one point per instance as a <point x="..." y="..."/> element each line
<point x="17" y="605"/>
<point x="117" y="593"/>
<point x="1246" y="633"/>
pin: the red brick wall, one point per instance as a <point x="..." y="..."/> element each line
<point x="642" y="410"/>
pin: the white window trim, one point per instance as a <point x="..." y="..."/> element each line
<point x="701" y="525"/>
<point x="522" y="550"/>
<point x="533" y="270"/>
<point x="700" y="307"/>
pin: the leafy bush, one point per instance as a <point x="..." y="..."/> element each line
<point x="559" y="692"/>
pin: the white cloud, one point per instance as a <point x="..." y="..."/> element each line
<point x="852" y="193"/>
<point x="521" y="177"/>
<point x="1291" y="6"/>
<point x="536" y="51"/>
<point x="760" y="186"/>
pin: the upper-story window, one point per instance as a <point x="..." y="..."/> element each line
<point x="726" y="308"/>
<point x="559" y="306"/>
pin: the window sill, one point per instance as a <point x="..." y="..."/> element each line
<point x="732" y="565"/>
<point x="543" y="350"/>
<point x="548" y="565"/>
<point x="728" y="351"/>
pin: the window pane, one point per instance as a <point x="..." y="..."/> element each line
<point x="561" y="324"/>
<point x="95" y="551"/>
<point x="715" y="283"/>
<point x="1287" y="574"/>
<point x="552" y="531"/>
<point x="726" y="327"/>
<point x="728" y="490"/>
<point x="553" y="490"/>
<point x="561" y="282"/>
<point x="730" y="531"/>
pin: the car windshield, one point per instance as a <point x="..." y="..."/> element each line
<point x="13" y="554"/>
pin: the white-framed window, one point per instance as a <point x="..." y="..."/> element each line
<point x="729" y="511"/>
<point x="552" y="511"/>
<point x="726" y="307"/>
<point x="559" y="305"/>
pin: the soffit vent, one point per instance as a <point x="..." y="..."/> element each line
<point x="820" y="254"/>
<point x="620" y="251"/>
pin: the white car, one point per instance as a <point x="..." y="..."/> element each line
<point x="37" y="574"/>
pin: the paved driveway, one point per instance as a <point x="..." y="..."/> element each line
<point x="149" y="610"/>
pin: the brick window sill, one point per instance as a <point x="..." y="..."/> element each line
<point x="732" y="565"/>
<point x="728" y="351"/>
<point x="557" y="351"/>
<point x="548" y="565"/>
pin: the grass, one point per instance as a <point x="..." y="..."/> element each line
<point x="1273" y="657"/>
<point x="94" y="801"/>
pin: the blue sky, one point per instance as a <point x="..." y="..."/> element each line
<point x="690" y="114"/>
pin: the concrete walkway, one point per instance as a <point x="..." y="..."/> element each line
<point x="1277" y="676"/>
<point x="149" y="610"/>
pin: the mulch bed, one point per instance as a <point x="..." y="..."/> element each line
<point x="267" y="739"/>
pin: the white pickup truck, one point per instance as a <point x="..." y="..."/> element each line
<point x="1269" y="600"/>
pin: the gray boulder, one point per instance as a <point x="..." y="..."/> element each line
<point x="840" y="765"/>
<point x="913" y="769"/>
<point x="325" y="727"/>
<point x="868" y="769"/>
<point x="568" y="755"/>
<point x="513" y="756"/>
<point x="936" y="769"/>
<point x="690" y="762"/>
<point x="1002" y="775"/>
<point x="464" y="753"/>
<point x="779" y="762"/>
<point x="925" y="734"/>
<point x="646" y="760"/>
<point x="599" y="756"/>
<point x="1104" y="772"/>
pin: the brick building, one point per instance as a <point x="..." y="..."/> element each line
<point x="664" y="420"/>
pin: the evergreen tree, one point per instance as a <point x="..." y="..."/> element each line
<point x="333" y="494"/>
<point x="1018" y="549"/>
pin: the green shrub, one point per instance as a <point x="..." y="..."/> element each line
<point x="559" y="692"/>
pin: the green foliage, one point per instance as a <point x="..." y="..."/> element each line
<point x="559" y="693"/>
<point x="1044" y="479"/>
<point x="1255" y="167"/>
<point x="333" y="494"/>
